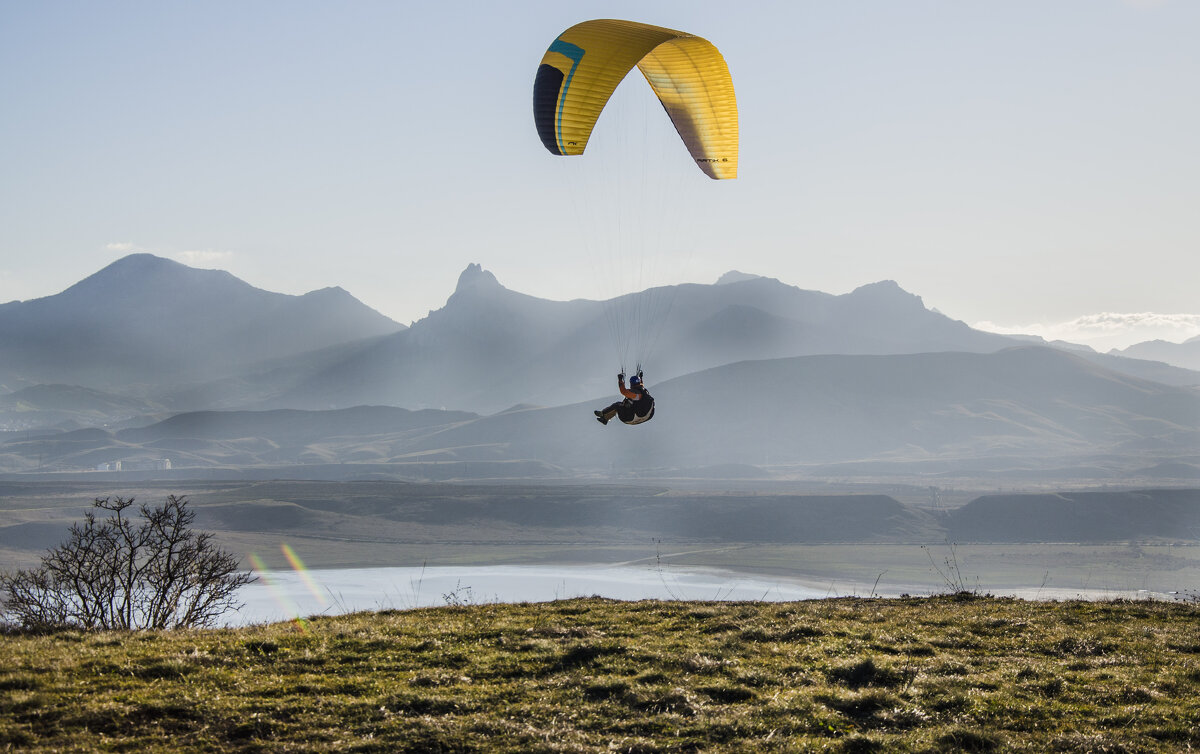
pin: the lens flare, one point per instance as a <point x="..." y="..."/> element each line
<point x="276" y="592"/>
<point x="302" y="572"/>
<point x="276" y="588"/>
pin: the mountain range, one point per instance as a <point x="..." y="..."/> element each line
<point x="186" y="339"/>
<point x="149" y="358"/>
<point x="1185" y="354"/>
<point x="490" y="348"/>
<point x="148" y="322"/>
<point x="1023" y="412"/>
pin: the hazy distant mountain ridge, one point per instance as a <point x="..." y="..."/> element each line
<point x="182" y="339"/>
<point x="145" y="319"/>
<point x="69" y="407"/>
<point x="1185" y="354"/>
<point x="1031" y="405"/>
<point x="477" y="352"/>
<point x="1026" y="409"/>
<point x="290" y="426"/>
<point x="1077" y="517"/>
<point x="489" y="347"/>
<point x="735" y="276"/>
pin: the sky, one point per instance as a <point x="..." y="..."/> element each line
<point x="1022" y="166"/>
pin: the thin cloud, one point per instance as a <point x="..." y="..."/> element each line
<point x="1108" y="329"/>
<point x="204" y="258"/>
<point x="1114" y="321"/>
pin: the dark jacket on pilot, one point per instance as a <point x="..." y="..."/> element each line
<point x="637" y="407"/>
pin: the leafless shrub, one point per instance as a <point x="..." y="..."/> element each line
<point x="116" y="573"/>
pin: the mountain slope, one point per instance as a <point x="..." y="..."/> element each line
<point x="1025" y="409"/>
<point x="1077" y="517"/>
<point x="1033" y="406"/>
<point x="1185" y="354"/>
<point x="148" y="320"/>
<point x="69" y="407"/>
<point x="476" y="352"/>
<point x="182" y="339"/>
<point x="490" y="347"/>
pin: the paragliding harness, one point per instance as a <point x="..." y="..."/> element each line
<point x="635" y="405"/>
<point x="643" y="408"/>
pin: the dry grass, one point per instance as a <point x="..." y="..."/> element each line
<point x="953" y="673"/>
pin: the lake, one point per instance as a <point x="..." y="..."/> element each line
<point x="284" y="595"/>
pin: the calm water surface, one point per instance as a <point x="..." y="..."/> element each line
<point x="283" y="595"/>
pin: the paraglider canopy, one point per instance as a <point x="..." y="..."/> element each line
<point x="584" y="65"/>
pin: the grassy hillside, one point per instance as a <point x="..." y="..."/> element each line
<point x="851" y="675"/>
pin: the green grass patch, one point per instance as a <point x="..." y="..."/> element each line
<point x="937" y="674"/>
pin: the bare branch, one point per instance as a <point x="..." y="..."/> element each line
<point x="115" y="574"/>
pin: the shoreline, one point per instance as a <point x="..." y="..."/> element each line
<point x="289" y="594"/>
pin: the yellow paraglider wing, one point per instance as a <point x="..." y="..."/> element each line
<point x="584" y="65"/>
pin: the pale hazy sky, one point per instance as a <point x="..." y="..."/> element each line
<point x="1025" y="163"/>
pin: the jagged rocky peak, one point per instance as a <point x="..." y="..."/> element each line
<point x="882" y="286"/>
<point x="734" y="276"/>
<point x="328" y="293"/>
<point x="887" y="291"/>
<point x="475" y="277"/>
